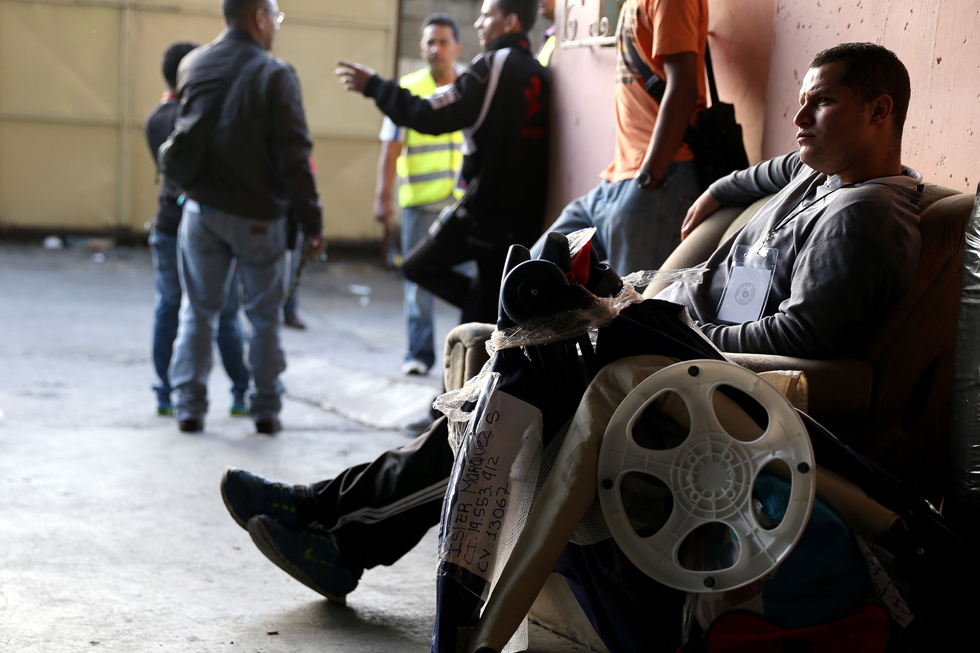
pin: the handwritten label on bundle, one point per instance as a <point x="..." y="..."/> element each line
<point x="885" y="588"/>
<point x="488" y="483"/>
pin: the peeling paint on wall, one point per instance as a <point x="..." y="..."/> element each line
<point x="937" y="44"/>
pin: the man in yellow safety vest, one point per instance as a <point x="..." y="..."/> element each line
<point x="427" y="166"/>
<point x="549" y="39"/>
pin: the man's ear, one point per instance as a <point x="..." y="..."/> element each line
<point x="512" y="25"/>
<point x="457" y="50"/>
<point x="881" y="109"/>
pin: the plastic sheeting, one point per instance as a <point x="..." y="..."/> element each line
<point x="965" y="435"/>
<point x="457" y="405"/>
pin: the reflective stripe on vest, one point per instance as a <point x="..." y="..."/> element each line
<point x="428" y="164"/>
<point x="547" y="49"/>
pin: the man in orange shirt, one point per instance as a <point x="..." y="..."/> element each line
<point x="645" y="192"/>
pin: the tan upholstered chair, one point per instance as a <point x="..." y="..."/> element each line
<point x="893" y="403"/>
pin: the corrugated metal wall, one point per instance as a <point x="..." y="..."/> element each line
<point x="77" y="79"/>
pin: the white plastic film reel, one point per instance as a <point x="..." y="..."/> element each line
<point x="711" y="475"/>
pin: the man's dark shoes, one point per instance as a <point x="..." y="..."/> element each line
<point x="292" y="321"/>
<point x="309" y="556"/>
<point x="247" y="495"/>
<point x="269" y="426"/>
<point x="191" y="425"/>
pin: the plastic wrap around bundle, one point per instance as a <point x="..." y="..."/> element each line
<point x="457" y="405"/>
<point x="965" y="435"/>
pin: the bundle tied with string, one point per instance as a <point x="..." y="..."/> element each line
<point x="458" y="404"/>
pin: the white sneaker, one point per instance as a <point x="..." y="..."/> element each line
<point x="416" y="368"/>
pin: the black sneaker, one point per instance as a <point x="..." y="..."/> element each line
<point x="309" y="556"/>
<point x="269" y="426"/>
<point x="246" y="495"/>
<point x="191" y="425"/>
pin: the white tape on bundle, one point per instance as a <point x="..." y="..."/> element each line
<point x="488" y="482"/>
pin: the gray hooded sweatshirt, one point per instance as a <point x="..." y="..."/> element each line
<point x="846" y="253"/>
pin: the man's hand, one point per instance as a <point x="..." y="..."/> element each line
<point x="703" y="206"/>
<point x="316" y="245"/>
<point x="353" y="76"/>
<point x="382" y="209"/>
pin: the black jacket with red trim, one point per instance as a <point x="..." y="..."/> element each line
<point x="501" y="104"/>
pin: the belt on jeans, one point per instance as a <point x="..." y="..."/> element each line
<point x="197" y="207"/>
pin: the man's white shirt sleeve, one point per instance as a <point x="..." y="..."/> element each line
<point x="390" y="132"/>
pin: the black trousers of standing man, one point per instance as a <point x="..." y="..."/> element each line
<point x="457" y="240"/>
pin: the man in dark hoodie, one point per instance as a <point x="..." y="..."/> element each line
<point x="500" y="103"/>
<point x="838" y="245"/>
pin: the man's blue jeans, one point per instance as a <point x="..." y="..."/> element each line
<point x="210" y="242"/>
<point x="293" y="258"/>
<point x="230" y="339"/>
<point x="419" y="302"/>
<point x="636" y="228"/>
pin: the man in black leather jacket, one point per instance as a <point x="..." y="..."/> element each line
<point x="256" y="166"/>
<point x="501" y="105"/>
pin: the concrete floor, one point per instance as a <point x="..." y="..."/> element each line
<point x="113" y="535"/>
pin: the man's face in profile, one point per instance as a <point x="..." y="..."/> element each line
<point x="835" y="123"/>
<point x="492" y="24"/>
<point x="267" y="21"/>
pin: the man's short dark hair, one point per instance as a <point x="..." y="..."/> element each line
<point x="443" y="19"/>
<point x="235" y="10"/>
<point x="872" y="70"/>
<point x="526" y="10"/>
<point x="172" y="58"/>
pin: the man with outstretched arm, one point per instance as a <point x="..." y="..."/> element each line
<point x="501" y="105"/>
<point x="844" y="227"/>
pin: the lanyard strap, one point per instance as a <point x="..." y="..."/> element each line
<point x="795" y="211"/>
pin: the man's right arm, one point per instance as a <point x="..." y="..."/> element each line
<point x="451" y="108"/>
<point x="743" y="187"/>
<point x="390" y="151"/>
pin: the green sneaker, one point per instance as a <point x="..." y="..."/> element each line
<point x="165" y="408"/>
<point x="238" y="407"/>
<point x="309" y="556"/>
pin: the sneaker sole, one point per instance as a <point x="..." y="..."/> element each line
<point x="261" y="538"/>
<point x="224" y="497"/>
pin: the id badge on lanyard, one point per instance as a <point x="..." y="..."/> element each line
<point x="749" y="282"/>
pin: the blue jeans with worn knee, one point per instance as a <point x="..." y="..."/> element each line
<point x="419" y="302"/>
<point x="230" y="338"/>
<point x="210" y="242"/>
<point x="636" y="228"/>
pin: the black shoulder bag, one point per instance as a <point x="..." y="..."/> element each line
<point x="181" y="157"/>
<point x="715" y="138"/>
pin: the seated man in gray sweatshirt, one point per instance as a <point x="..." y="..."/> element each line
<point x="823" y="260"/>
<point x="839" y="242"/>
